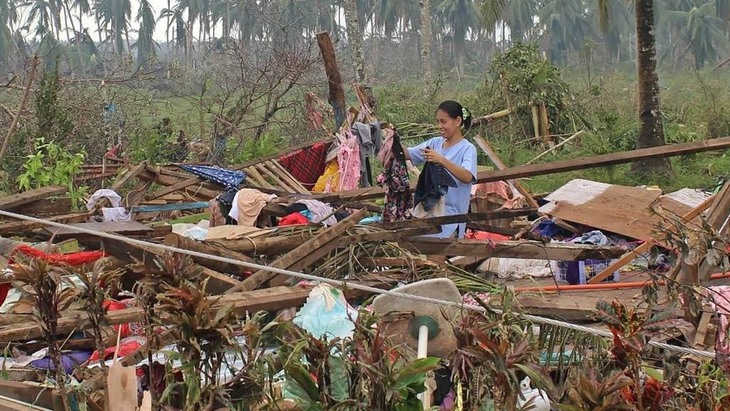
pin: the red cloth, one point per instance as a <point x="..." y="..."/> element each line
<point x="293" y="219"/>
<point x="73" y="259"/>
<point x="307" y="164"/>
<point x="129" y="329"/>
<point x="126" y="346"/>
<point x="485" y="235"/>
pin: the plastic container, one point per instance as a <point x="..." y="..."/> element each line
<point x="579" y="272"/>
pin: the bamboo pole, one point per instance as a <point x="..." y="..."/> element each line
<point x="551" y="149"/>
<point x="544" y="124"/>
<point x="535" y="120"/>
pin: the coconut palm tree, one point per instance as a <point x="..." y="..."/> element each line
<point x="701" y="30"/>
<point x="176" y="22"/>
<point x="114" y="16"/>
<point x="8" y="19"/>
<point x="567" y="25"/>
<point x="460" y="16"/>
<point x="651" y="129"/>
<point x="146" y="46"/>
<point x="518" y="15"/>
<point x="614" y="34"/>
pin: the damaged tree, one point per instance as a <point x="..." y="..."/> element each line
<point x="246" y="91"/>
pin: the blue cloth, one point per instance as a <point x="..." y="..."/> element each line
<point x="433" y="183"/>
<point x="551" y="230"/>
<point x="463" y="154"/>
<point x="226" y="178"/>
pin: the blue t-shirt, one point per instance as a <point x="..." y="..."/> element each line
<point x="464" y="155"/>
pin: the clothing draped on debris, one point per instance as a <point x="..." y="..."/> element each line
<point x="348" y="157"/>
<point x="307" y="164"/>
<point x="247" y="205"/>
<point x="394" y="179"/>
<point x="222" y="176"/>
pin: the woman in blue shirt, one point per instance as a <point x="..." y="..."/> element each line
<point x="457" y="155"/>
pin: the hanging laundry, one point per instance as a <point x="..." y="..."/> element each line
<point x="370" y="140"/>
<point x="348" y="157"/>
<point x="307" y="164"/>
<point x="329" y="181"/>
<point x="222" y="176"/>
<point x="321" y="212"/>
<point x="247" y="205"/>
<point x="394" y="179"/>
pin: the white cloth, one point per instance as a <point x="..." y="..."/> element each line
<point x="321" y="212"/>
<point x="115" y="214"/>
<point x="516" y="268"/>
<point x="114" y="199"/>
<point x="252" y="202"/>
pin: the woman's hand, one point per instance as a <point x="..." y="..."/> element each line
<point x="434" y="157"/>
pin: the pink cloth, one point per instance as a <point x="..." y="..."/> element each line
<point x="386" y="151"/>
<point x="511" y="198"/>
<point x="348" y="158"/>
<point x="721" y="304"/>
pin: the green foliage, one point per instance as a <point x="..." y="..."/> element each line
<point x="53" y="120"/>
<point x="51" y="164"/>
<point x="527" y="79"/>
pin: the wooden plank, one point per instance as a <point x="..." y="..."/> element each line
<point x="260" y="180"/>
<point x="604" y="160"/>
<point x="17" y="200"/>
<point x="581" y="163"/>
<point x="159" y="178"/>
<point x="217" y="283"/>
<point x="575" y="308"/>
<point x="646" y="246"/>
<point x="266" y="172"/>
<point x="46" y="207"/>
<point x="510" y="249"/>
<point x="36" y="394"/>
<point x="280" y="179"/>
<point x="284" y="173"/>
<point x="137" y="193"/>
<point x="501" y="166"/>
<point x="241" y="302"/>
<point x="452" y="219"/>
<point x="24" y="226"/>
<point x="717" y="219"/>
<point x="618" y="209"/>
<point x="123" y="228"/>
<point x="175" y="240"/>
<point x="320" y="245"/>
<point x="261" y="246"/>
<point x="128" y="175"/>
<point x="169" y="207"/>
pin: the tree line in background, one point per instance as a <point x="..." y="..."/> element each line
<point x="462" y="34"/>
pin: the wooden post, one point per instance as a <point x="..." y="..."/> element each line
<point x="336" y="91"/>
<point x="535" y="121"/>
<point x="544" y="124"/>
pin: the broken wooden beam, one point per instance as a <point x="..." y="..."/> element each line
<point x="128" y="175"/>
<point x="24" y="226"/>
<point x="314" y="248"/>
<point x="19" y="199"/>
<point x="268" y="299"/>
<point x="453" y="219"/>
<point x="604" y="160"/>
<point x="178" y="241"/>
<point x="510" y="249"/>
<point x="217" y="284"/>
<point x="336" y="92"/>
<point x="581" y="163"/>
